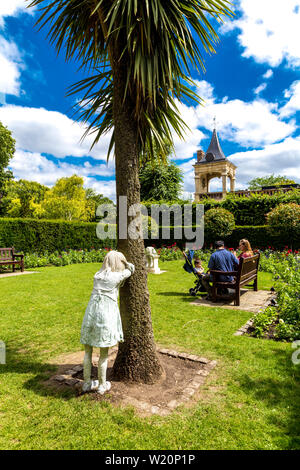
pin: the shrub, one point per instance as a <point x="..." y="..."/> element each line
<point x="218" y="223"/>
<point x="285" y="220"/>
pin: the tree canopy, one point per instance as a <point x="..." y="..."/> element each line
<point x="67" y="200"/>
<point x="160" y="181"/>
<point x="270" y="180"/>
<point x="7" y="150"/>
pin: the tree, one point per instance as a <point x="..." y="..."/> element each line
<point x="23" y="198"/>
<point x="141" y="53"/>
<point x="93" y="200"/>
<point x="270" y="180"/>
<point x="7" y="150"/>
<point x="67" y="200"/>
<point x="160" y="181"/>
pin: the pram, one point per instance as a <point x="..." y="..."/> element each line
<point x="189" y="268"/>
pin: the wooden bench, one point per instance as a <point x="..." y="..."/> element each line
<point x="8" y="256"/>
<point x="247" y="272"/>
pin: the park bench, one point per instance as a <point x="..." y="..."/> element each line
<point x="247" y="272"/>
<point x="9" y="257"/>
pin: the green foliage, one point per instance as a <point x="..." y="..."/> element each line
<point x="284" y="318"/>
<point x="64" y="258"/>
<point x="160" y="181"/>
<point x="23" y="198"/>
<point x="218" y="224"/>
<point x="270" y="180"/>
<point x="154" y="42"/>
<point x="285" y="220"/>
<point x="93" y="200"/>
<point x="29" y="235"/>
<point x="252" y="210"/>
<point x="67" y="200"/>
<point x="263" y="320"/>
<point x="7" y="150"/>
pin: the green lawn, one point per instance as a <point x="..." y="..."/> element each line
<point x="250" y="401"/>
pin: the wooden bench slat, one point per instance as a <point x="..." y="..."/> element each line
<point x="8" y="257"/>
<point x="247" y="272"/>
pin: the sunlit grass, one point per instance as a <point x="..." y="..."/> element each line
<point x="251" y="400"/>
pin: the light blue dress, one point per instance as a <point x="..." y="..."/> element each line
<point x="101" y="325"/>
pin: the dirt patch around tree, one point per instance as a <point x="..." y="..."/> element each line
<point x="183" y="376"/>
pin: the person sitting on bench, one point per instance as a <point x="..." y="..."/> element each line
<point x="220" y="260"/>
<point x="245" y="248"/>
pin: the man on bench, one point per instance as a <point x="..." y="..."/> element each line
<point x="220" y="260"/>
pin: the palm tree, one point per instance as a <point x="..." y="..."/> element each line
<point x="140" y="53"/>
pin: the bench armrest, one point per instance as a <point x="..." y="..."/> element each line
<point x="18" y="256"/>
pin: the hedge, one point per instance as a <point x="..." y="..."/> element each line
<point x="31" y="235"/>
<point x="246" y="210"/>
<point x="258" y="236"/>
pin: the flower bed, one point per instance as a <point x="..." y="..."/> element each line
<point x="282" y="321"/>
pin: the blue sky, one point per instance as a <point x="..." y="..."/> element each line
<point x="252" y="86"/>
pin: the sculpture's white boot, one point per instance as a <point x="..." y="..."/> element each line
<point x="104" y="388"/>
<point x="89" y="386"/>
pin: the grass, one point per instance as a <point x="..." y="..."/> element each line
<point x="250" y="401"/>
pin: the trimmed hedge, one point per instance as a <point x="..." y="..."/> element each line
<point x="246" y="210"/>
<point x="31" y="235"/>
<point x="258" y="236"/>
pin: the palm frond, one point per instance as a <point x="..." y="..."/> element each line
<point x="160" y="42"/>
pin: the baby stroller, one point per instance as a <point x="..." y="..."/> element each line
<point x="189" y="268"/>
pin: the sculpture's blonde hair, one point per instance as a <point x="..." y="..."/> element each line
<point x="114" y="261"/>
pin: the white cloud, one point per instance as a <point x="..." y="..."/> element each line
<point x="260" y="89"/>
<point x="282" y="158"/>
<point x="43" y="131"/>
<point x="10" y="65"/>
<point x="293" y="104"/>
<point x="186" y="148"/>
<point x="254" y="123"/>
<point x="269" y="31"/>
<point x="10" y="60"/>
<point x="269" y="74"/>
<point x="12" y="8"/>
<point x="35" y="167"/>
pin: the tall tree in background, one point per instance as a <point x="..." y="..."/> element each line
<point x="23" y="198"/>
<point x="160" y="181"/>
<point x="141" y="53"/>
<point x="270" y="180"/>
<point x="7" y="150"/>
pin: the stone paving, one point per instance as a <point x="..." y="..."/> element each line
<point x="70" y="378"/>
<point x="245" y="328"/>
<point x="250" y="301"/>
<point x="18" y="273"/>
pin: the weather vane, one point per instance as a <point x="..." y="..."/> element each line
<point x="215" y="122"/>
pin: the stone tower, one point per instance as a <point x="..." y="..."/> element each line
<point x="213" y="164"/>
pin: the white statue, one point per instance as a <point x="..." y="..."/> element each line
<point x="152" y="260"/>
<point x="102" y="326"/>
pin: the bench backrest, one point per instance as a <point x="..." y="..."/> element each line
<point x="6" y="254"/>
<point x="248" y="268"/>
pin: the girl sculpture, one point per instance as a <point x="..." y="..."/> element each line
<point x="102" y="326"/>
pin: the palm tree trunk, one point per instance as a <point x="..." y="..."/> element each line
<point x="137" y="359"/>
